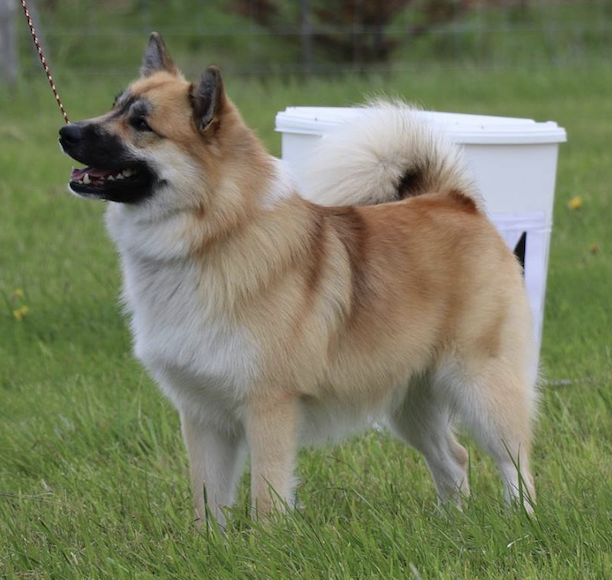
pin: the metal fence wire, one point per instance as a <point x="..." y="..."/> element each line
<point x="258" y="37"/>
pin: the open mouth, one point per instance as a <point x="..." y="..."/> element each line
<point x="90" y="179"/>
<point x="124" y="185"/>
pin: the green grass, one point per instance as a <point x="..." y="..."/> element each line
<point x="93" y="475"/>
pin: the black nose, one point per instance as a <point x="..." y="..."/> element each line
<point x="71" y="134"/>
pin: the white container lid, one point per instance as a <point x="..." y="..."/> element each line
<point x="468" y="129"/>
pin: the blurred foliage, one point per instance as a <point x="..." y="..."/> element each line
<point x="351" y="30"/>
<point x="262" y="37"/>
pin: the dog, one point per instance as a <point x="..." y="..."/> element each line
<point x="272" y="317"/>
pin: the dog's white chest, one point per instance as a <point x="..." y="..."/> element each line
<point x="203" y="362"/>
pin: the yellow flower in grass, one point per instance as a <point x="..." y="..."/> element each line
<point x="19" y="313"/>
<point x="575" y="202"/>
<point x="18" y="293"/>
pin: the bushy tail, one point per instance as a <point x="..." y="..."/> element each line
<point x="388" y="153"/>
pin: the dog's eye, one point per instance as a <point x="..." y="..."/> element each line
<point x="140" y="124"/>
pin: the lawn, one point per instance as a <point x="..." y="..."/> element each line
<point x="93" y="475"/>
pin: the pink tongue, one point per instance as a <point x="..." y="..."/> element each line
<point x="78" y="174"/>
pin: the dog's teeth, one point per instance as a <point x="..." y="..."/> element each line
<point x="120" y="176"/>
<point x="86" y="179"/>
<point x="110" y="178"/>
<point x="126" y="172"/>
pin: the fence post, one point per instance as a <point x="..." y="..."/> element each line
<point x="8" y="43"/>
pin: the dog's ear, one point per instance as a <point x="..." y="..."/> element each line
<point x="156" y="57"/>
<point x="207" y="97"/>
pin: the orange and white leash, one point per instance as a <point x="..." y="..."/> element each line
<point x="43" y="60"/>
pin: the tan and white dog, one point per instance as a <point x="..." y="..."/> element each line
<point x="270" y="319"/>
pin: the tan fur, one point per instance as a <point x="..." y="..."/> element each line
<point x="389" y="308"/>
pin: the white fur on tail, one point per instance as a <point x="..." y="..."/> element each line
<point x="387" y="153"/>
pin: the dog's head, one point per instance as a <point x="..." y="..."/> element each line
<point x="163" y="137"/>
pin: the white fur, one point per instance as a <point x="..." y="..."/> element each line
<point x="177" y="173"/>
<point x="283" y="186"/>
<point x="203" y="361"/>
<point x="363" y="161"/>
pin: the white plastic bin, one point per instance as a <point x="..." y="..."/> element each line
<point x="513" y="162"/>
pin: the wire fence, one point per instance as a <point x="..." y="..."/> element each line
<point x="259" y="37"/>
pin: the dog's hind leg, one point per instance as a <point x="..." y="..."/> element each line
<point x="214" y="459"/>
<point x="495" y="402"/>
<point x="423" y="420"/>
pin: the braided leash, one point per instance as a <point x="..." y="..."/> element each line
<point x="43" y="60"/>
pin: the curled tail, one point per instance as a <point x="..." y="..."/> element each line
<point x="388" y="153"/>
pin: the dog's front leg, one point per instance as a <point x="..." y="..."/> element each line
<point x="214" y="459"/>
<point x="272" y="431"/>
